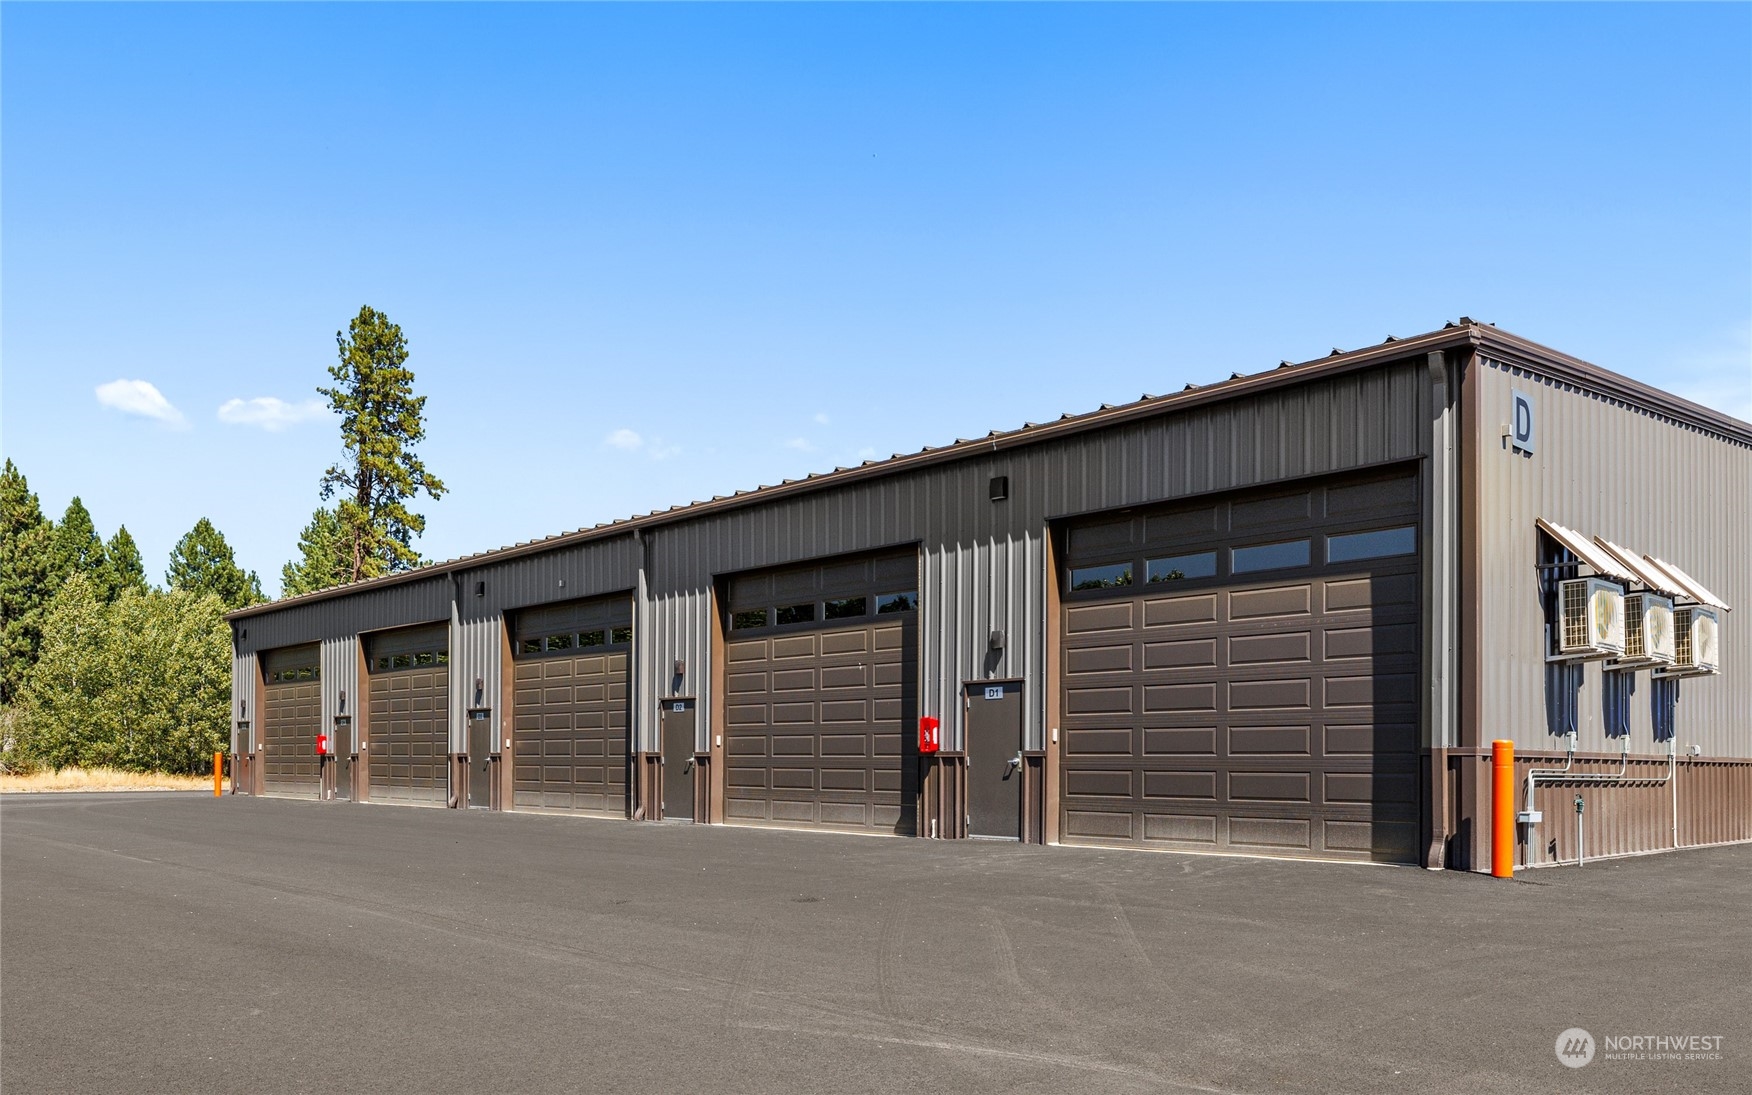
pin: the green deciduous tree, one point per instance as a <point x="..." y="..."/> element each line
<point x="202" y="562"/>
<point x="323" y="561"/>
<point x="142" y="684"/>
<point x="27" y="578"/>
<point x="381" y="419"/>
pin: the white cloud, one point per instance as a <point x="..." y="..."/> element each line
<point x="630" y="441"/>
<point x="269" y="412"/>
<point x="139" y="397"/>
<point x="821" y="417"/>
<point x="801" y="444"/>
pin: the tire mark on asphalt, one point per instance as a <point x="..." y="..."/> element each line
<point x="890" y="946"/>
<point x="1058" y="1060"/>
<point x="739" y="990"/>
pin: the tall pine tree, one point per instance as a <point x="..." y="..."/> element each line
<point x="202" y="562"/>
<point x="125" y="570"/>
<point x="27" y="578"/>
<point x="322" y="561"/>
<point x="77" y="548"/>
<point x="381" y="420"/>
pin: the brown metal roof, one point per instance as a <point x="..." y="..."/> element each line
<point x="1466" y="334"/>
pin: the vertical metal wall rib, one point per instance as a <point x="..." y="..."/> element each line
<point x="1641" y="480"/>
<point x="244" y="674"/>
<point x="339" y="661"/>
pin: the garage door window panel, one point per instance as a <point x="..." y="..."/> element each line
<point x="1281" y="555"/>
<point x="1324" y="615"/>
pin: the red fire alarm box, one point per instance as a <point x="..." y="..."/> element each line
<point x="930" y="740"/>
<point x="322" y="745"/>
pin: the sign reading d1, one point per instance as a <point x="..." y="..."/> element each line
<point x="1521" y="421"/>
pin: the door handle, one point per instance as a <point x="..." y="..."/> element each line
<point x="689" y="766"/>
<point x="1014" y="762"/>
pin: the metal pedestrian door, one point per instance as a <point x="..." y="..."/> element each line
<point x="678" y="758"/>
<point x="994" y="758"/>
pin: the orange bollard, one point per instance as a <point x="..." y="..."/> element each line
<point x="218" y="774"/>
<point x="1502" y="809"/>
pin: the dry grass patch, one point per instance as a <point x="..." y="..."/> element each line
<point x="101" y="779"/>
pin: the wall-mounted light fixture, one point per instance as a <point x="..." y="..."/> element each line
<point x="680" y="668"/>
<point x="480" y="589"/>
<point x="1000" y="488"/>
<point x="244" y="633"/>
<point x="343" y="700"/>
<point x="995" y="641"/>
<point x="242" y="709"/>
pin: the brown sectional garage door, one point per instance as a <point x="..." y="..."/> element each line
<point x="571" y="706"/>
<point x="409" y="727"/>
<point x="1243" y="675"/>
<point x="291" y="720"/>
<point x="822" y="690"/>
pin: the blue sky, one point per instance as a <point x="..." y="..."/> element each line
<point x="657" y="253"/>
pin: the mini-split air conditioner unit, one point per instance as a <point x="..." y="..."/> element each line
<point x="1649" y="639"/>
<point x="1696" y="643"/>
<point x="1589" y="621"/>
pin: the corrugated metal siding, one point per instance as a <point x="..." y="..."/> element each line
<point x="340" y="673"/>
<point x="982" y="563"/>
<point x="368" y="610"/>
<point x="475" y="654"/>
<point x="1651" y="484"/>
<point x="244" y="675"/>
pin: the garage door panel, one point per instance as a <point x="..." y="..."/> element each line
<point x="1176" y="828"/>
<point x="1180" y="741"/>
<point x="1373" y="739"/>
<point x="291" y="720"/>
<point x="846" y="642"/>
<point x="1095" y="701"/>
<point x="1180" y="784"/>
<point x="1273" y="603"/>
<point x="1163" y="698"/>
<point x="1294" y="741"/>
<point x="844" y="711"/>
<point x="1377" y="690"/>
<point x="815" y="721"/>
<point x="1379" y="592"/>
<point x="1281" y="695"/>
<point x="1111" y="658"/>
<point x="1098" y="742"/>
<point x="1280" y="648"/>
<point x="1082" y="619"/>
<point x="582" y="710"/>
<point x="1180" y="654"/>
<point x="1270" y="787"/>
<point x="1262" y="708"/>
<point x="1176" y="612"/>
<point x="1277" y="833"/>
<point x="409" y="728"/>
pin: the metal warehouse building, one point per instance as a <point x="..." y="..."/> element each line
<point x="1285" y="614"/>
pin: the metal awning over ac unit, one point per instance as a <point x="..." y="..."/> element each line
<point x="1603" y="562"/>
<point x="1651" y="577"/>
<point x="1687" y="585"/>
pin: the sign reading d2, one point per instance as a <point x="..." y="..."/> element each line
<point x="1521" y="421"/>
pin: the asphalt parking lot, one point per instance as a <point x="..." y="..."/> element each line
<point x="178" y="943"/>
